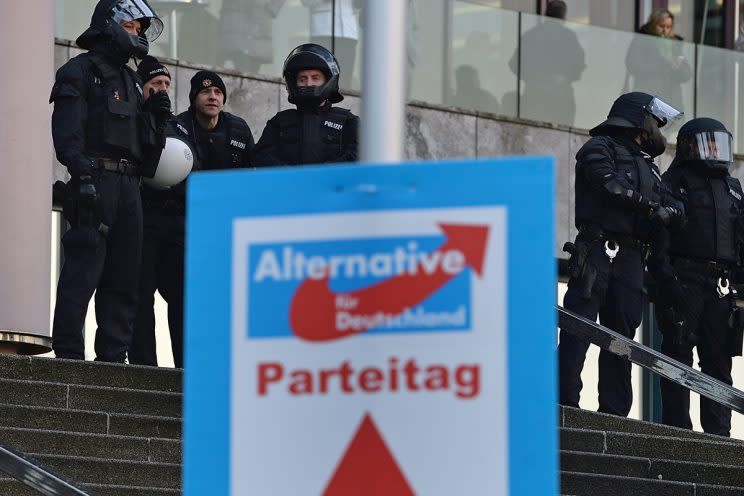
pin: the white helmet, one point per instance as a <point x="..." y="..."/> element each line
<point x="176" y="162"/>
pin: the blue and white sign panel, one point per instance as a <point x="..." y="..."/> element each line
<point x="371" y="330"/>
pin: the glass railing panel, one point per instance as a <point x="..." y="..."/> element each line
<point x="720" y="74"/>
<point x="426" y="53"/>
<point x="663" y="67"/>
<point x="571" y="73"/>
<point x="482" y="72"/>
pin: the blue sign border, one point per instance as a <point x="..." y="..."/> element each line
<point x="524" y="185"/>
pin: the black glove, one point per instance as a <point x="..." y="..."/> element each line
<point x="88" y="202"/>
<point x="663" y="216"/>
<point x="159" y="105"/>
<point x="640" y="201"/>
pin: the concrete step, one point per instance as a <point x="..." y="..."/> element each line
<point x="42" y="442"/>
<point x="596" y="463"/>
<point x="60" y="419"/>
<point x="669" y="470"/>
<point x="726" y="452"/>
<point x="90" y="398"/>
<point x="111" y="490"/>
<point x="86" y="470"/>
<point x="586" y="419"/>
<point x="88" y="373"/>
<point x="581" y="484"/>
<point x="10" y="487"/>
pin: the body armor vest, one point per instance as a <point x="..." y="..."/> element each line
<point x="713" y="207"/>
<point x="119" y="119"/>
<point x="595" y="207"/>
<point x="310" y="137"/>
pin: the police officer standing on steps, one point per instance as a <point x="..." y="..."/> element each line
<point x="696" y="306"/>
<point x="107" y="139"/>
<point x="222" y="140"/>
<point x="163" y="243"/>
<point x="620" y="203"/>
<point x="316" y="132"/>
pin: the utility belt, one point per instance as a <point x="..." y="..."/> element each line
<point x="720" y="271"/>
<point x="579" y="268"/>
<point x="590" y="233"/>
<point x="122" y="166"/>
<point x="709" y="268"/>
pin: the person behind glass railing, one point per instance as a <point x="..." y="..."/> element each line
<point x="469" y="93"/>
<point x="316" y="132"/>
<point x="659" y="67"/>
<point x="247" y="33"/>
<point x="620" y="203"/>
<point x="556" y="9"/>
<point x="695" y="268"/>
<point x="550" y="59"/>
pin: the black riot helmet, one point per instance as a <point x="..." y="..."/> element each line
<point x="105" y="27"/>
<point x="312" y="56"/>
<point x="705" y="142"/>
<point x="641" y="112"/>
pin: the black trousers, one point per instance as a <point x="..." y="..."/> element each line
<point x="162" y="270"/>
<point x="617" y="296"/>
<point x="107" y="264"/>
<point x="707" y="315"/>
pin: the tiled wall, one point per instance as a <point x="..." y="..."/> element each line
<point x="433" y="132"/>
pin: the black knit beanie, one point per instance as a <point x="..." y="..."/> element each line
<point x="203" y="80"/>
<point x="149" y="68"/>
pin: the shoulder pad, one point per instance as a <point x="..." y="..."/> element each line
<point x="286" y="117"/>
<point x="596" y="149"/>
<point x="70" y="80"/>
<point x="340" y="111"/>
<point x="238" y="123"/>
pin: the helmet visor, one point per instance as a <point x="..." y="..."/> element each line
<point x="710" y="145"/>
<point x="138" y="10"/>
<point x="663" y="112"/>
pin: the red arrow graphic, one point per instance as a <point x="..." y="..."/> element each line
<point x="368" y="468"/>
<point x="312" y="312"/>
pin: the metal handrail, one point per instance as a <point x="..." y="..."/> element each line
<point x="650" y="359"/>
<point x="36" y="476"/>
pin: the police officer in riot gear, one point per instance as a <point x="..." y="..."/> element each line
<point x="316" y="132"/>
<point x="107" y="139"/>
<point x="222" y="140"/>
<point x="696" y="306"/>
<point x="163" y="243"/>
<point x="620" y="203"/>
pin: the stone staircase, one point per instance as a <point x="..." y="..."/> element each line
<point x="607" y="455"/>
<point x="114" y="429"/>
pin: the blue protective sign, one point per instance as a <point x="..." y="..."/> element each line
<point x="352" y="324"/>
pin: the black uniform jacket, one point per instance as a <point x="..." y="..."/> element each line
<point x="291" y="137"/>
<point x="229" y="145"/>
<point x="98" y="114"/>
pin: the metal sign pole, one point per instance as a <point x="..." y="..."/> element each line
<point x="383" y="81"/>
